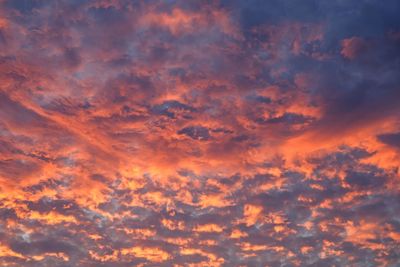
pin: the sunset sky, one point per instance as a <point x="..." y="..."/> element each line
<point x="199" y="133"/>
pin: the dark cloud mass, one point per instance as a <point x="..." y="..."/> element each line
<point x="199" y="133"/>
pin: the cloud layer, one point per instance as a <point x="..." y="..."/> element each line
<point x="199" y="133"/>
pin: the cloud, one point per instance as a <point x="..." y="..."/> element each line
<point x="391" y="139"/>
<point x="352" y="47"/>
<point x="196" y="132"/>
<point x="218" y="133"/>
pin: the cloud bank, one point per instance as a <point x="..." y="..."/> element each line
<point x="199" y="133"/>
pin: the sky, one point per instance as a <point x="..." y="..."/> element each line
<point x="199" y="133"/>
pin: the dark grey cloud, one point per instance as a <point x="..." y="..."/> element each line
<point x="196" y="132"/>
<point x="391" y="139"/>
<point x="83" y="77"/>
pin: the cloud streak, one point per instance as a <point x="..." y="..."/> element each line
<point x="218" y="133"/>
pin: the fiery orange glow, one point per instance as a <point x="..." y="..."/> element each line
<point x="199" y="133"/>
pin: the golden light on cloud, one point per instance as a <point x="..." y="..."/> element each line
<point x="199" y="133"/>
